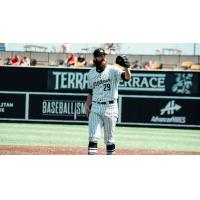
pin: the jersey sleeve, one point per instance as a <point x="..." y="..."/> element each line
<point x="90" y="86"/>
<point x="118" y="73"/>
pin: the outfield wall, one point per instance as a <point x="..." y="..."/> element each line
<point x="153" y="98"/>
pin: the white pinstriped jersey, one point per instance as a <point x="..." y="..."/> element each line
<point x="104" y="84"/>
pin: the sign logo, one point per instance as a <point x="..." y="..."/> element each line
<point x="4" y="105"/>
<point x="144" y="82"/>
<point x="63" y="108"/>
<point x="58" y="80"/>
<point x="183" y="83"/>
<point x="170" y="108"/>
<point x="167" y="114"/>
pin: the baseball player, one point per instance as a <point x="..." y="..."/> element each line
<point x="101" y="106"/>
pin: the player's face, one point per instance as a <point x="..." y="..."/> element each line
<point x="100" y="60"/>
<point x="100" y="57"/>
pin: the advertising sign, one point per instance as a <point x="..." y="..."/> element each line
<point x="12" y="106"/>
<point x="57" y="107"/>
<point x="160" y="110"/>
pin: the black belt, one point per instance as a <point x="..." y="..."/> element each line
<point x="107" y="102"/>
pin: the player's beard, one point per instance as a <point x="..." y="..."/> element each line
<point x="100" y="65"/>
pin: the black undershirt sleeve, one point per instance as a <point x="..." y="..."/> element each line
<point x="90" y="91"/>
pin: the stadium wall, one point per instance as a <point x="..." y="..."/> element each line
<point x="153" y="98"/>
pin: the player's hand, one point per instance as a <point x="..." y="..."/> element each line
<point x="87" y="110"/>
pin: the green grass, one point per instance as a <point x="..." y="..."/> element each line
<point x="76" y="135"/>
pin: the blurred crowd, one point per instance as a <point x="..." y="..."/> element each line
<point x="80" y="61"/>
<point x="73" y="61"/>
<point x="148" y="65"/>
<point x="17" y="61"/>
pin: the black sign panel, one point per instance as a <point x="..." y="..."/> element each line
<point x="144" y="82"/>
<point x="23" y="79"/>
<point x="71" y="80"/>
<point x="57" y="107"/>
<point x="182" y="83"/>
<point x="161" y="110"/>
<point x="12" y="106"/>
<point x="162" y="83"/>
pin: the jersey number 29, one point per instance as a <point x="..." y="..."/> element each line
<point x="106" y="87"/>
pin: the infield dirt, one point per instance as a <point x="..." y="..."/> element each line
<point x="59" y="150"/>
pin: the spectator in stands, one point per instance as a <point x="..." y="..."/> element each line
<point x="71" y="60"/>
<point x="60" y="62"/>
<point x="149" y="65"/>
<point x="15" y="60"/>
<point x="25" y="61"/>
<point x="33" y="62"/>
<point x="136" y="65"/>
<point x="82" y="60"/>
<point x="7" y="61"/>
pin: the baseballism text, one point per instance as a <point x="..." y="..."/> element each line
<point x="66" y="108"/>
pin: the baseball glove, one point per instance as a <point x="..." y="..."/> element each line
<point x="123" y="61"/>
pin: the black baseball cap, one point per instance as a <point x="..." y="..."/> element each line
<point x="99" y="52"/>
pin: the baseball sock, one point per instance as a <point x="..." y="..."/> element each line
<point x="92" y="148"/>
<point x="110" y="149"/>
